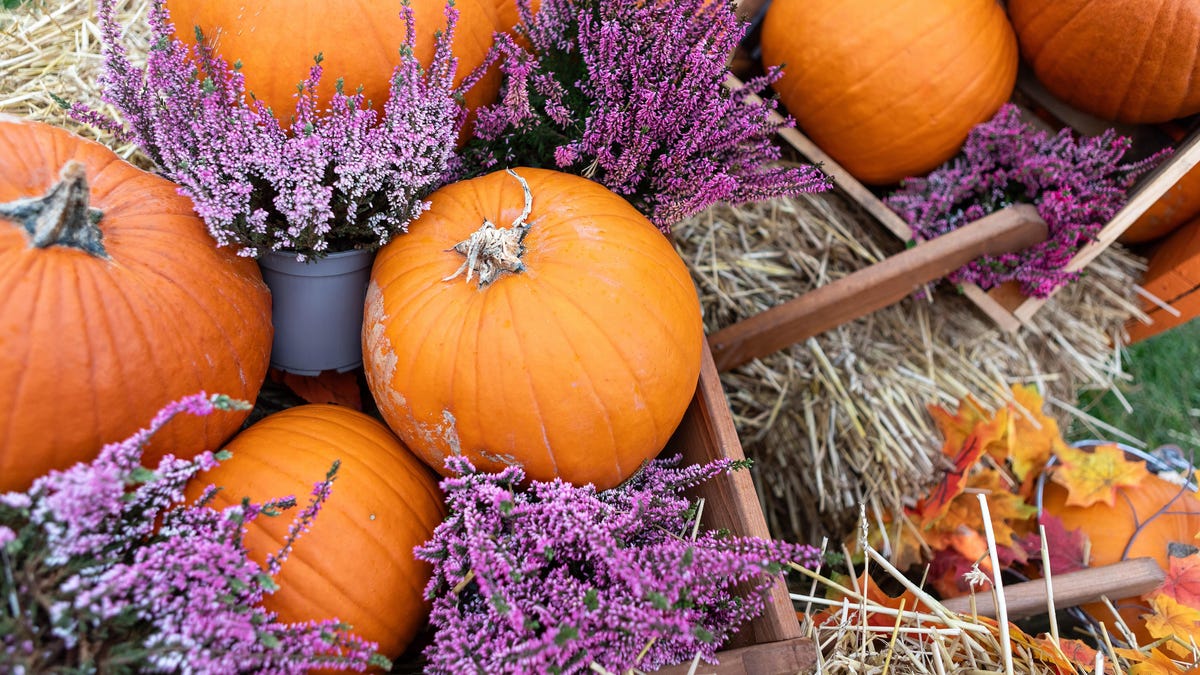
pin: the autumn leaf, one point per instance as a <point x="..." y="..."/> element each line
<point x="1157" y="663"/>
<point x="1169" y="617"/>
<point x="1183" y="575"/>
<point x="1033" y="436"/>
<point x="1066" y="548"/>
<point x="968" y="433"/>
<point x="1077" y="652"/>
<point x="1095" y="476"/>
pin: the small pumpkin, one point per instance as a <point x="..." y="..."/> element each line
<point x="1114" y="533"/>
<point x="1180" y="204"/>
<point x="115" y="301"/>
<point x="574" y="352"/>
<point x="1135" y="62"/>
<point x="890" y="89"/>
<point x="276" y="41"/>
<point x="356" y="563"/>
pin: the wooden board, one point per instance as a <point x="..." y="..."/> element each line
<point x="772" y="642"/>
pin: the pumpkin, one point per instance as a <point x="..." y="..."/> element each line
<point x="574" y="353"/>
<point x="276" y="41"/>
<point x="1128" y="61"/>
<point x="356" y="563"/>
<point x="1113" y="533"/>
<point x="507" y="14"/>
<point x="1177" y="206"/>
<point x="115" y="301"/>
<point x="890" y="89"/>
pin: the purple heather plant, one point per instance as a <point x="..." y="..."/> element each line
<point x="104" y="569"/>
<point x="563" y="579"/>
<point x="338" y="178"/>
<point x="1076" y="185"/>
<point x="631" y="95"/>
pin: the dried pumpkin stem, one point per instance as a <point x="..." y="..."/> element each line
<point x="492" y="251"/>
<point x="62" y="216"/>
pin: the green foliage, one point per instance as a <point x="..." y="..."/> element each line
<point x="1164" y="393"/>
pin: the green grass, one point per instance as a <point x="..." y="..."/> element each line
<point x="1164" y="393"/>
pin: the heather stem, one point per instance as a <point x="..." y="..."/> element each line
<point x="492" y="251"/>
<point x="62" y="216"/>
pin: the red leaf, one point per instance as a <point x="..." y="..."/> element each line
<point x="1183" y="575"/>
<point x="328" y="387"/>
<point x="1066" y="548"/>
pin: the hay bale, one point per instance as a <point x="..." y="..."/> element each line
<point x="841" y="419"/>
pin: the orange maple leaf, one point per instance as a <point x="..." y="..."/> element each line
<point x="1170" y="618"/>
<point x="1156" y="663"/>
<point x="1033" y="436"/>
<point x="968" y="433"/>
<point x="1183" y="575"/>
<point x="1095" y="476"/>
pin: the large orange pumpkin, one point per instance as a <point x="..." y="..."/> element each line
<point x="1113" y="530"/>
<point x="580" y="363"/>
<point x="276" y="41"/>
<point x="356" y="564"/>
<point x="1132" y="61"/>
<point x="890" y="89"/>
<point x="103" y="323"/>
<point x="1177" y="206"/>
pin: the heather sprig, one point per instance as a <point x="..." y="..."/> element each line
<point x="562" y="579"/>
<point x="630" y="94"/>
<point x="1077" y="185"/>
<point x="104" y="569"/>
<point x="338" y="178"/>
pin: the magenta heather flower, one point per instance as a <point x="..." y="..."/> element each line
<point x="562" y="579"/>
<point x="339" y="178"/>
<point x="630" y="94"/>
<point x="103" y="569"/>
<point x="1076" y="185"/>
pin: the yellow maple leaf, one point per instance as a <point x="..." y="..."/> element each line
<point x="1156" y="663"/>
<point x="1033" y="436"/>
<point x="1095" y="476"/>
<point x="1169" y="617"/>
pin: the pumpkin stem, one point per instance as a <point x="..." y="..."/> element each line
<point x="62" y="216"/>
<point x="492" y="251"/>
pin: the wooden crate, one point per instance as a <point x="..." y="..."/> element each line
<point x="772" y="643"/>
<point x="1006" y="305"/>
<point x="1173" y="278"/>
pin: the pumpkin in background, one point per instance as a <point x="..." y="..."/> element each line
<point x="507" y="14"/>
<point x="1177" y="206"/>
<point x="890" y="89"/>
<point x="1131" y="61"/>
<point x="276" y="41"/>
<point x="104" y="322"/>
<point x="580" y="364"/>
<point x="356" y="563"/>
<point x="1113" y="534"/>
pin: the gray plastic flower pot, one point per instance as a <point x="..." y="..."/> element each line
<point x="317" y="309"/>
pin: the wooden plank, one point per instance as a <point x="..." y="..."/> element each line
<point x="1186" y="308"/>
<point x="874" y="287"/>
<point x="1124" y="579"/>
<point x="776" y="658"/>
<point x="730" y="501"/>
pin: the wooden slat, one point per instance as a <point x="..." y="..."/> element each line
<point x="777" y="658"/>
<point x="730" y="501"/>
<point x="1124" y="579"/>
<point x="874" y="287"/>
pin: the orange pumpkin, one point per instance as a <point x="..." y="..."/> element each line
<point x="578" y="363"/>
<point x="276" y="41"/>
<point x="507" y="14"/>
<point x="1177" y="206"/>
<point x="1128" y="61"/>
<point x="356" y="564"/>
<point x="103" y="323"/>
<point x="890" y="89"/>
<point x="1113" y="533"/>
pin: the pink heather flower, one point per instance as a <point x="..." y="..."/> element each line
<point x="555" y="578"/>
<point x="630" y="94"/>
<point x="1076" y="185"/>
<point x="105" y="569"/>
<point x="340" y="177"/>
